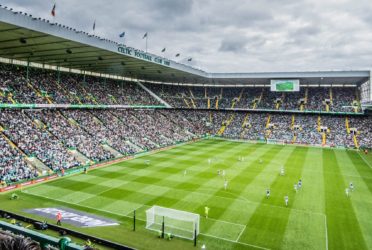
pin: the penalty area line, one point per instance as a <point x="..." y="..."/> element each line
<point x="237" y="239"/>
<point x="234" y="241"/>
<point x="126" y="215"/>
<point x="227" y="222"/>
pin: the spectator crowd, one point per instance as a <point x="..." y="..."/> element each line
<point x="307" y="99"/>
<point x="62" y="139"/>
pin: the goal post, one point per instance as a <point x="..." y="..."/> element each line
<point x="176" y="222"/>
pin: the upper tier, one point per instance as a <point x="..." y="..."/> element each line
<point x="52" y="87"/>
<point x="334" y="99"/>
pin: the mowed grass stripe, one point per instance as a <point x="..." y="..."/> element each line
<point x="238" y="184"/>
<point x="361" y="166"/>
<point x="189" y="184"/>
<point x="351" y="161"/>
<point x="199" y="198"/>
<point x="343" y="226"/>
<point x="65" y="186"/>
<point x="162" y="191"/>
<point x="131" y="170"/>
<point x="267" y="225"/>
<point x="239" y="207"/>
<point x="306" y="230"/>
<point x="129" y="185"/>
<point x="87" y="198"/>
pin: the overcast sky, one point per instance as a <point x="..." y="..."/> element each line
<point x="229" y="35"/>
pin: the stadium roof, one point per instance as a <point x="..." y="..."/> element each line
<point x="27" y="38"/>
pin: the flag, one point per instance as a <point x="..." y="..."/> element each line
<point x="178" y="54"/>
<point x="190" y="59"/>
<point x="144" y="36"/>
<point x="94" y="25"/>
<point x="163" y="50"/>
<point x="53" y="12"/>
<point x="122" y="35"/>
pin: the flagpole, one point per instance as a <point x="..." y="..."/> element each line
<point x="146" y="41"/>
<point x="54" y="13"/>
<point x="54" y="16"/>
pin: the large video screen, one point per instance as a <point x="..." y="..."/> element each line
<point x="285" y="85"/>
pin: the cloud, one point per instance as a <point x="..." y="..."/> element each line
<point x="234" y="44"/>
<point x="267" y="35"/>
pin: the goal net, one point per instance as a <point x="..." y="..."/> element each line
<point x="178" y="223"/>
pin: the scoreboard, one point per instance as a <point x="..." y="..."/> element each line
<point x="285" y="85"/>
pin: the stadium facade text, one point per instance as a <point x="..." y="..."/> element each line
<point x="142" y="55"/>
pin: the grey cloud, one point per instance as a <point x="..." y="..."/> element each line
<point x="172" y="8"/>
<point x="309" y="30"/>
<point x="283" y="35"/>
<point x="233" y="44"/>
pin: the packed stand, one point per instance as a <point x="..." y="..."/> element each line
<point x="35" y="141"/>
<point x="47" y="86"/>
<point x="14" y="87"/>
<point x="13" y="168"/>
<point x="280" y="128"/>
<point x="72" y="135"/>
<point x="364" y="130"/>
<point x="317" y="97"/>
<point x="343" y="99"/>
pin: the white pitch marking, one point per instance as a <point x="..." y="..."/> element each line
<point x="237" y="242"/>
<point x="254" y="202"/>
<point x="241" y="233"/>
<point x="227" y="222"/>
<point x="361" y="156"/>
<point x="326" y="231"/>
<point x="121" y="215"/>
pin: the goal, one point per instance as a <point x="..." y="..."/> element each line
<point x="176" y="222"/>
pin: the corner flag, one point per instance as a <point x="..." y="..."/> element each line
<point x="122" y="35"/>
<point x="144" y="36"/>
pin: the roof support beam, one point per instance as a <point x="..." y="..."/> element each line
<point x="12" y="29"/>
<point x="17" y="39"/>
<point x="32" y="45"/>
<point x="27" y="53"/>
<point x="45" y="57"/>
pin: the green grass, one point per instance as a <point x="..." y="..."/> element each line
<point x="319" y="216"/>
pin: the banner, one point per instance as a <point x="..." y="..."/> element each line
<point x="78" y="106"/>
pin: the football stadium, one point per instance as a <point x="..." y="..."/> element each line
<point x="108" y="146"/>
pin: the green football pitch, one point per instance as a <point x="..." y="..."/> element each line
<point x="318" y="216"/>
